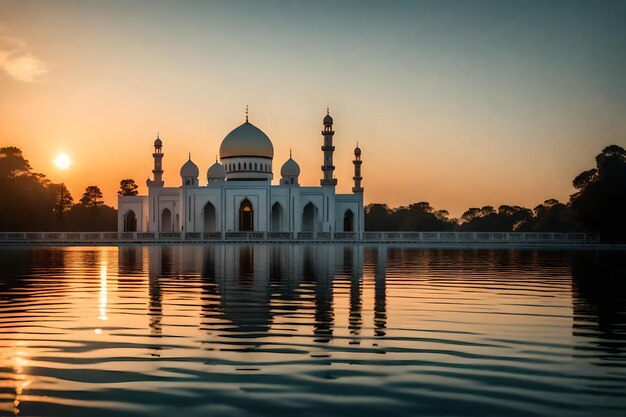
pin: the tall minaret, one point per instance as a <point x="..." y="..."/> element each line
<point x="328" y="149"/>
<point x="357" y="170"/>
<point x="158" y="164"/>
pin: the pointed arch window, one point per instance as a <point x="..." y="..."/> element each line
<point x="246" y="216"/>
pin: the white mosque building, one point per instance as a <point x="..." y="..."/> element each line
<point x="239" y="195"/>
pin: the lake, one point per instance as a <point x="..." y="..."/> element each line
<point x="311" y="330"/>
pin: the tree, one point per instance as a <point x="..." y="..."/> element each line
<point x="600" y="202"/>
<point x="30" y="202"/>
<point x="12" y="163"/>
<point x="64" y="199"/>
<point x="91" y="219"/>
<point x="377" y="217"/>
<point x="553" y="216"/>
<point x="420" y="217"/>
<point x="487" y="219"/>
<point x="90" y="196"/>
<point x="128" y="187"/>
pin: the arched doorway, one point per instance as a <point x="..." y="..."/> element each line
<point x="277" y="217"/>
<point x="246" y="216"/>
<point x="348" y="221"/>
<point x="130" y="221"/>
<point x="309" y="218"/>
<point x="166" y="220"/>
<point x="210" y="223"/>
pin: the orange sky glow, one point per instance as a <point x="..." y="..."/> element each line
<point x="444" y="112"/>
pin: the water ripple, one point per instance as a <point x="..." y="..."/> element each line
<point x="311" y="330"/>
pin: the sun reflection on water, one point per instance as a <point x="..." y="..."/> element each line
<point x="22" y="380"/>
<point x="103" y="293"/>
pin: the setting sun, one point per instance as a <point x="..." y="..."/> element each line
<point x="62" y="161"/>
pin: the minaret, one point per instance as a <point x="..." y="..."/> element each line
<point x="158" y="164"/>
<point x="328" y="149"/>
<point x="357" y="170"/>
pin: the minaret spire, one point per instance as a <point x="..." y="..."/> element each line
<point x="357" y="170"/>
<point x="328" y="149"/>
<point x="157" y="171"/>
<point x="246" y="113"/>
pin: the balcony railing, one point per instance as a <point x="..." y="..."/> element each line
<point x="354" y="237"/>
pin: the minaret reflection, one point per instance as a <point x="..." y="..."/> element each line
<point x="212" y="276"/>
<point x="160" y="263"/>
<point x="380" y="292"/>
<point x="353" y="264"/>
<point x="250" y="291"/>
<point x="318" y="267"/>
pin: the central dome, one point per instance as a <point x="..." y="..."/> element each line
<point x="246" y="140"/>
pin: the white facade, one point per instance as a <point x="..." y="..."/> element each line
<point x="239" y="196"/>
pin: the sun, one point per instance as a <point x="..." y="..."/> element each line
<point x="62" y="161"/>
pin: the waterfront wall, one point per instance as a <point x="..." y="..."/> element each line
<point x="72" y="238"/>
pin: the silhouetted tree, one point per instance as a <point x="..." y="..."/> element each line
<point x="100" y="218"/>
<point x="417" y="216"/>
<point x="128" y="187"/>
<point x="12" y="163"/>
<point x="487" y="219"/>
<point x="90" y="196"/>
<point x="64" y="199"/>
<point x="377" y="217"/>
<point x="553" y="216"/>
<point x="26" y="198"/>
<point x="600" y="202"/>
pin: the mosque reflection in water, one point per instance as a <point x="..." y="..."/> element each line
<point x="250" y="290"/>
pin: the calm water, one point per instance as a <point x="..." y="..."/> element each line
<point x="311" y="331"/>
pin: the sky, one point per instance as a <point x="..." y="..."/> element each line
<point x="458" y="103"/>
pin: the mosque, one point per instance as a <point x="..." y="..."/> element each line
<point x="239" y="195"/>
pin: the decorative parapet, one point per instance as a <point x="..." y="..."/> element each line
<point x="477" y="238"/>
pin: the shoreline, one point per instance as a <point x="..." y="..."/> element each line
<point x="424" y="245"/>
<point x="462" y="240"/>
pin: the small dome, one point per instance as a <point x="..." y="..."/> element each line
<point x="158" y="143"/>
<point x="189" y="169"/>
<point x="357" y="151"/>
<point x="328" y="119"/>
<point x="216" y="172"/>
<point x="290" y="168"/>
<point x="246" y="140"/>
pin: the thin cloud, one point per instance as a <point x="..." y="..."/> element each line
<point x="18" y="62"/>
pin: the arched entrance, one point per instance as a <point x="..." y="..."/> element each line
<point x="166" y="220"/>
<point x="309" y="218"/>
<point x="277" y="217"/>
<point x="130" y="221"/>
<point x="348" y="221"/>
<point x="210" y="219"/>
<point x="246" y="216"/>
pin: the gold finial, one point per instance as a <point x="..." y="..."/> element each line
<point x="158" y="135"/>
<point x="246" y="113"/>
<point x="215" y="157"/>
<point x="290" y="152"/>
<point x="327" y="111"/>
<point x="190" y="156"/>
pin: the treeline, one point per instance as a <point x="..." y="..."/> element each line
<point x="31" y="202"/>
<point x="598" y="206"/>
